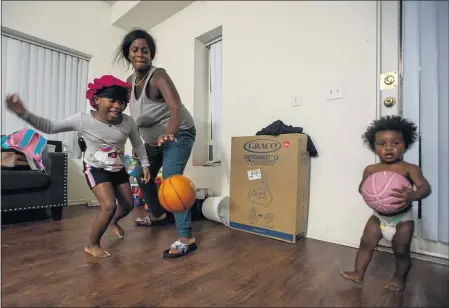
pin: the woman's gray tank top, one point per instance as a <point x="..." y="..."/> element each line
<point x="152" y="117"/>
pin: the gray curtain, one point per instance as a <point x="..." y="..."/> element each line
<point x="425" y="97"/>
<point x="51" y="82"/>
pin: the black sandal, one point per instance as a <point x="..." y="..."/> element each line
<point x="147" y="222"/>
<point x="182" y="249"/>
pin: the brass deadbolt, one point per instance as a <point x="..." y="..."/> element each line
<point x="389" y="102"/>
<point x="389" y="80"/>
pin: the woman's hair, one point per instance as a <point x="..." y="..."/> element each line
<point x="391" y="123"/>
<point x="122" y="52"/>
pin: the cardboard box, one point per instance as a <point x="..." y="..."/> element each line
<point x="269" y="186"/>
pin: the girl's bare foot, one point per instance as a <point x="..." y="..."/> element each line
<point x="352" y="276"/>
<point x="396" y="284"/>
<point x="96" y="251"/>
<point x="118" y="230"/>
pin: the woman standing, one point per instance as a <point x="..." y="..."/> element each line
<point x="165" y="126"/>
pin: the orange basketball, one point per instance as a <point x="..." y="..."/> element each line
<point x="177" y="193"/>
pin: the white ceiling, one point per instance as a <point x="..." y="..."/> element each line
<point x="145" y="14"/>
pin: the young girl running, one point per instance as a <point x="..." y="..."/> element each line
<point x="390" y="137"/>
<point x="105" y="132"/>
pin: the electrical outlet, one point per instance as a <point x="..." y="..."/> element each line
<point x="334" y="93"/>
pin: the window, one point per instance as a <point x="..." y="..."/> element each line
<point x="207" y="98"/>
<point x="51" y="80"/>
<point x="214" y="112"/>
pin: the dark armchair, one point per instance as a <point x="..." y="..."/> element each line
<point x="32" y="190"/>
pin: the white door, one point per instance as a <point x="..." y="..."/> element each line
<point x="412" y="69"/>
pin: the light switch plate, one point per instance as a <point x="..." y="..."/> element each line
<point x="297" y="101"/>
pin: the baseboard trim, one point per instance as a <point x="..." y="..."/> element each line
<point x="77" y="202"/>
<point x="92" y="203"/>
<point x="419" y="256"/>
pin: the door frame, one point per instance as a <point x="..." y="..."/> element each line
<point x="391" y="42"/>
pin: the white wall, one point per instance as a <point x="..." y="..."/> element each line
<point x="273" y="51"/>
<point x="81" y="25"/>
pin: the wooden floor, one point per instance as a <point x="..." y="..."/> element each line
<point x="44" y="265"/>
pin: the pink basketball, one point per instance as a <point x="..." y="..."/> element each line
<point x="377" y="187"/>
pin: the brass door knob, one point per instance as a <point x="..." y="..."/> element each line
<point x="389" y="102"/>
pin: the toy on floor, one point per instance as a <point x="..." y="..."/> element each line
<point x="143" y="219"/>
<point x="139" y="201"/>
<point x="137" y="196"/>
<point x="130" y="164"/>
<point x="177" y="193"/>
<point x="377" y="188"/>
<point x="159" y="178"/>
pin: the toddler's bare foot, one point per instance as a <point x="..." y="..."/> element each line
<point x="96" y="251"/>
<point x="118" y="230"/>
<point x="352" y="276"/>
<point x="396" y="284"/>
